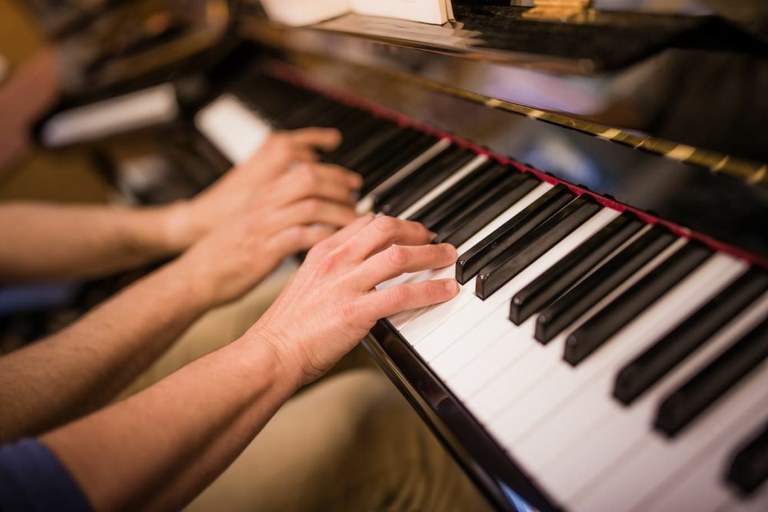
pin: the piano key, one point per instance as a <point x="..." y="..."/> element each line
<point x="456" y="230"/>
<point x="409" y="190"/>
<point x="366" y="203"/>
<point x="650" y="366"/>
<point x="512" y="261"/>
<point x="573" y="267"/>
<point x="702" y="486"/>
<point x="654" y="461"/>
<point x="616" y="436"/>
<point x="590" y="336"/>
<point x="451" y="353"/>
<point x="460" y="195"/>
<point x="368" y="148"/>
<point x="565" y="310"/>
<point x="470" y="263"/>
<point x="392" y="157"/>
<point x="355" y="127"/>
<point x="367" y="136"/>
<point x="562" y="379"/>
<point x="748" y="466"/>
<point x="719" y="378"/>
<point x="438" y="190"/>
<point x="605" y="433"/>
<point x="434" y="315"/>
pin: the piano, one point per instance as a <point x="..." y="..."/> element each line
<point x="603" y="176"/>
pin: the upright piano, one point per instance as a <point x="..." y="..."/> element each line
<point x="601" y="170"/>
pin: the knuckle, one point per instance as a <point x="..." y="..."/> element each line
<point x="350" y="312"/>
<point x="398" y="257"/>
<point x="401" y="296"/>
<point x="311" y="207"/>
<point x="385" y="226"/>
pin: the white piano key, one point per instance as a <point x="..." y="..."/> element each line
<point x="477" y="373"/>
<point x="595" y="441"/>
<point x="562" y="380"/>
<point x="538" y="361"/>
<point x="445" y="185"/>
<point x="365" y="205"/>
<point x="461" y="354"/>
<point x="656" y="460"/>
<point x="701" y="486"/>
<point x="504" y="388"/>
<point x="232" y="127"/>
<point x="401" y="319"/>
<point x="420" y="322"/>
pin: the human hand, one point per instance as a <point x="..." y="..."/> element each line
<point x="284" y="157"/>
<point x="332" y="301"/>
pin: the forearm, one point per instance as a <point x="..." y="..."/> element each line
<point x="53" y="242"/>
<point x="161" y="447"/>
<point x="71" y="373"/>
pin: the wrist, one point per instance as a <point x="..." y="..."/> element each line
<point x="288" y="367"/>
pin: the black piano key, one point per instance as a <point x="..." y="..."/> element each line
<point x="748" y="468"/>
<point x="461" y="193"/>
<point x="567" y="272"/>
<point x="590" y="336"/>
<point x="652" y="365"/>
<point x="685" y="404"/>
<point x="391" y="159"/>
<point x="578" y="300"/>
<point x="354" y="137"/>
<point x="486" y="207"/>
<point x="472" y="261"/>
<point x="529" y="248"/>
<point x="396" y="200"/>
<point x="310" y="114"/>
<point x="367" y="148"/>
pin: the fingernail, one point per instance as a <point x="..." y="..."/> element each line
<point x="452" y="287"/>
<point x="432" y="235"/>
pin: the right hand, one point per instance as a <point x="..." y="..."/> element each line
<point x="332" y="301"/>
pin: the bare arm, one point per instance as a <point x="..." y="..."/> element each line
<point x="71" y="373"/>
<point x="48" y="242"/>
<point x="160" y="448"/>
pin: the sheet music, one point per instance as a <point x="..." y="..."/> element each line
<point x="308" y="12"/>
<point x="426" y="11"/>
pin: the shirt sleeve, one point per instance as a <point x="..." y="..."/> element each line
<point x="33" y="479"/>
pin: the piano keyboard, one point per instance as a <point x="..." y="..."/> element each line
<point x="621" y="365"/>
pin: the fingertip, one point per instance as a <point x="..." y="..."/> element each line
<point x="452" y="287"/>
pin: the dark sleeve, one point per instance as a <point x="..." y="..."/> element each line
<point x="32" y="478"/>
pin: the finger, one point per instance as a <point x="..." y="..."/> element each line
<point x="298" y="238"/>
<point x="402" y="259"/>
<point x="308" y="181"/>
<point x="383" y="303"/>
<point x="342" y="236"/>
<point x="338" y="174"/>
<point x="314" y="211"/>
<point x="326" y="139"/>
<point x="385" y="231"/>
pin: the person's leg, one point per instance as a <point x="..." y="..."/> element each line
<point x="351" y="443"/>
